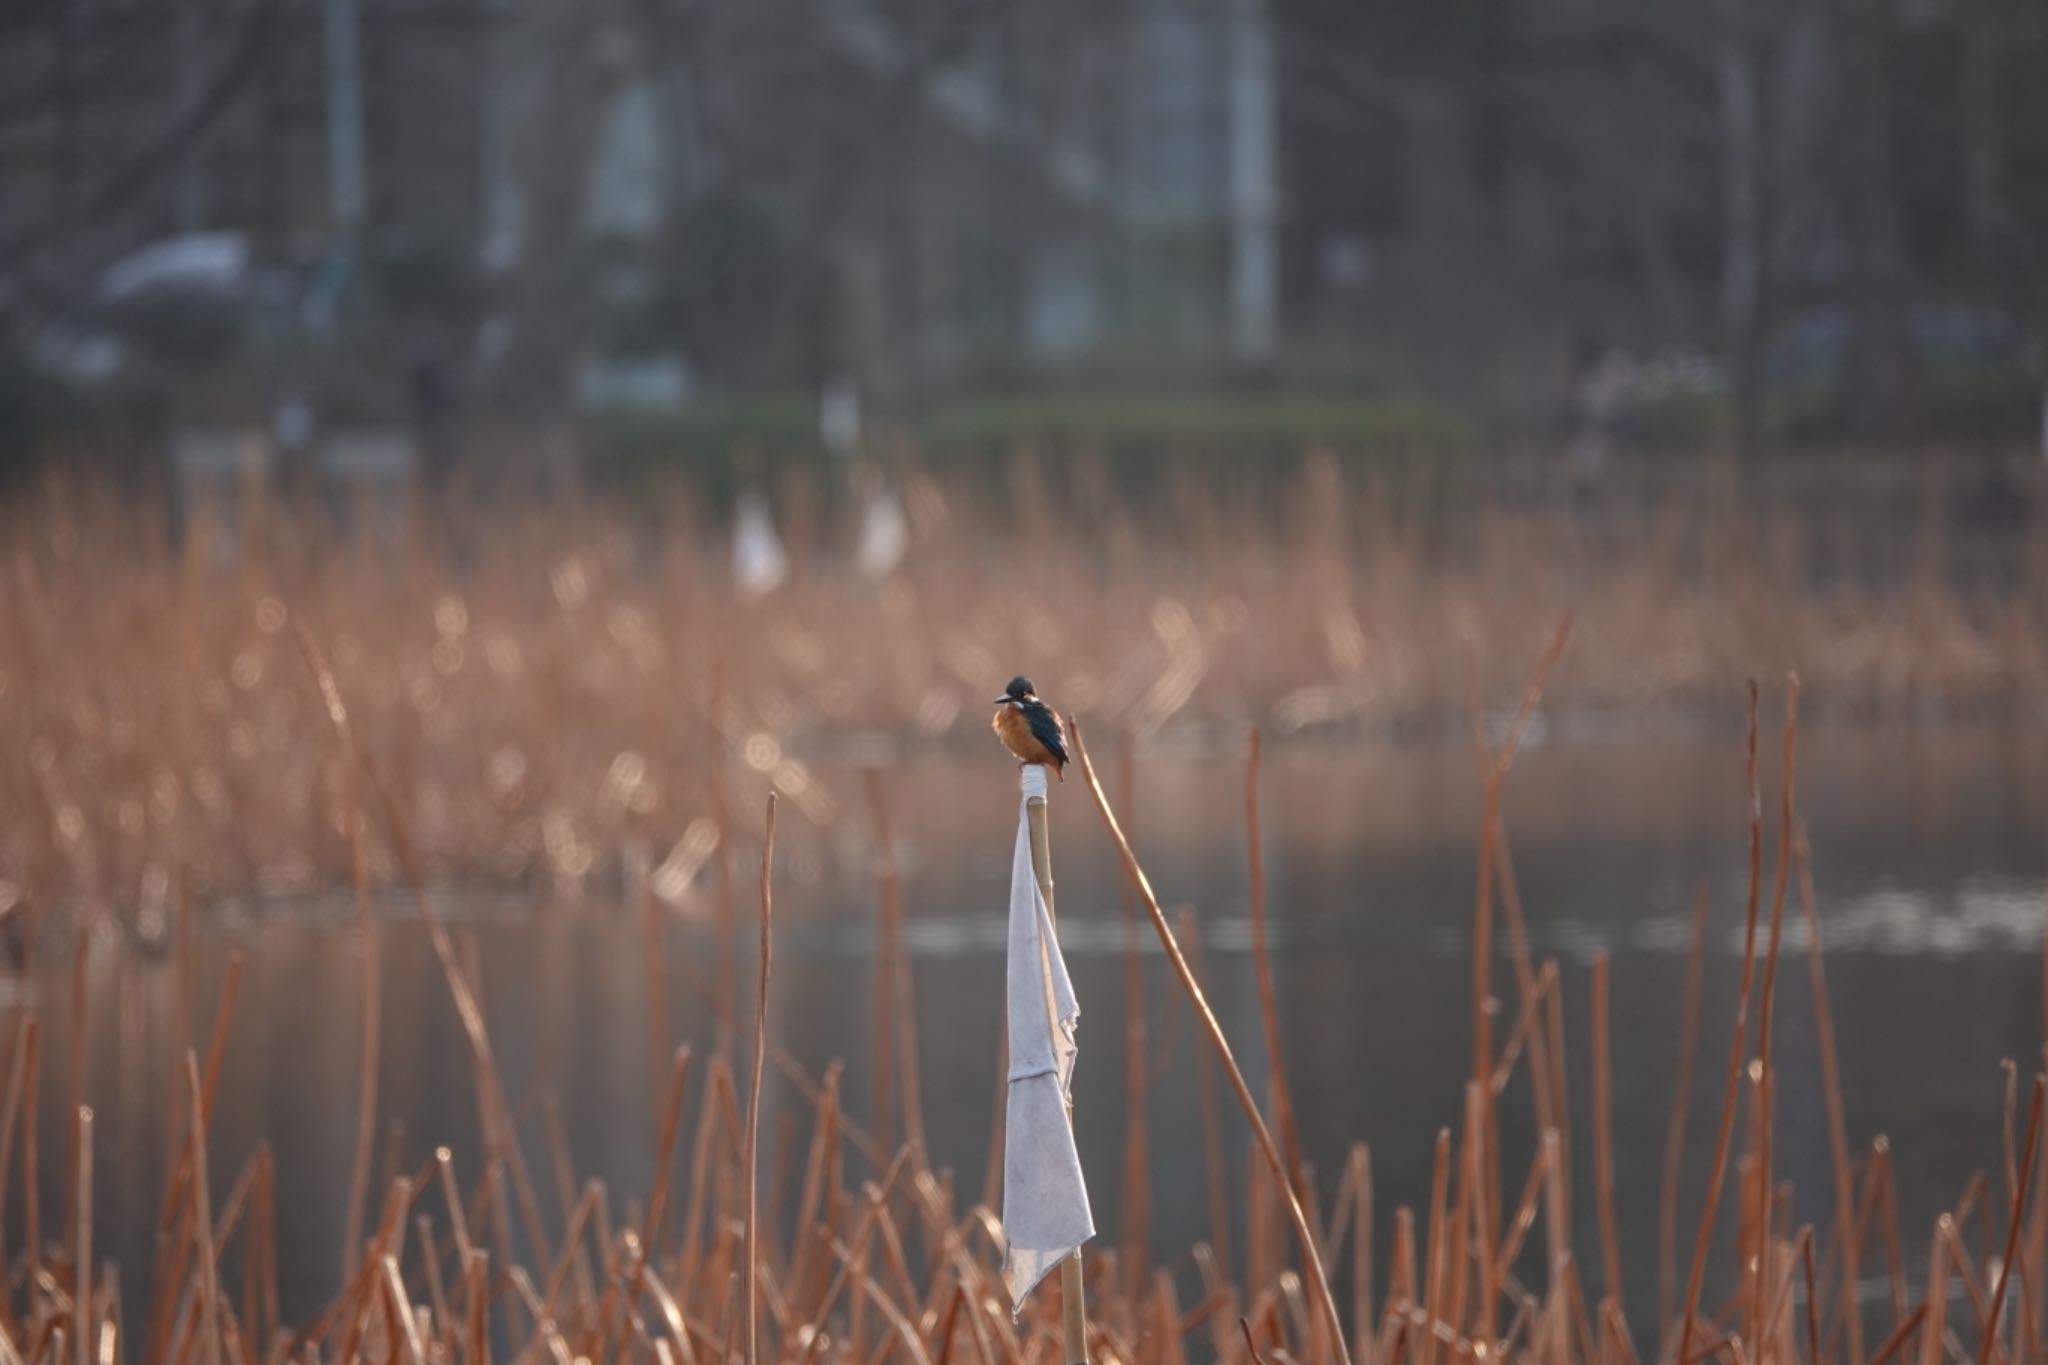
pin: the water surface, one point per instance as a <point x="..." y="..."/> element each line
<point x="1929" y="868"/>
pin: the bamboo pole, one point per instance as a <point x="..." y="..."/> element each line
<point x="1073" y="1307"/>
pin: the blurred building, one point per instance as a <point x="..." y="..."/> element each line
<point x="641" y="201"/>
<point x="1039" y="182"/>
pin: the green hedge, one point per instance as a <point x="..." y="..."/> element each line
<point x="1237" y="426"/>
<point x="1136" y="441"/>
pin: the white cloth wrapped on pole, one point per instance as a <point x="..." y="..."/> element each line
<point x="1045" y="1200"/>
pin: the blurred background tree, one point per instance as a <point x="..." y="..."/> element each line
<point x="1832" y="212"/>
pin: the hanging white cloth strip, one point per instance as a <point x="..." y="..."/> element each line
<point x="1045" y="1200"/>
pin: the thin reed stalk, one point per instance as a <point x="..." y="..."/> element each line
<point x="1135" y="1218"/>
<point x="1490" y="841"/>
<point x="1310" y="1256"/>
<point x="1262" y="962"/>
<point x="1603" y="1138"/>
<point x="1765" y="1082"/>
<point x="81" y="1294"/>
<point x="2014" y="1222"/>
<point x="1847" y="1241"/>
<point x="654" y="966"/>
<point x="1736" y="1045"/>
<point x="80" y="1054"/>
<point x="751" y="1271"/>
<point x="1681" y="1100"/>
<point x="902" y="1011"/>
<point x="1215" y="1172"/>
<point x="202" y="1222"/>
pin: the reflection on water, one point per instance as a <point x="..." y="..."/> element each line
<point x="1928" y="865"/>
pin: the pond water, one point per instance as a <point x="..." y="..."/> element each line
<point x="1929" y="863"/>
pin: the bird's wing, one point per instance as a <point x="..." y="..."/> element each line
<point x="1047" y="730"/>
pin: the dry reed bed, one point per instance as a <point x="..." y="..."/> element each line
<point x="861" y="1250"/>
<point x="564" y="687"/>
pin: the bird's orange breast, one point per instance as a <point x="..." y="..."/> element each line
<point x="1014" y="730"/>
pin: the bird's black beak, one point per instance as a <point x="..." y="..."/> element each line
<point x="1005" y="697"/>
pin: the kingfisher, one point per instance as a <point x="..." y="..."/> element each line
<point x="1029" y="729"/>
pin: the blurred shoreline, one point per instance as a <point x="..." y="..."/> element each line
<point x="534" y="690"/>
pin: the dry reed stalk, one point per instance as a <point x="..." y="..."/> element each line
<point x="264" y="1255"/>
<point x="947" y="1323"/>
<point x="202" y="1221"/>
<point x="1135" y="1218"/>
<point x="1361" y="1254"/>
<point x="1901" y="1334"/>
<point x="792" y="1071"/>
<point x="367" y="926"/>
<point x="1215" y="1181"/>
<point x="2037" y="1229"/>
<point x="1496" y="766"/>
<point x="992" y="1164"/>
<point x="580" y="1217"/>
<point x="781" y="1154"/>
<point x="232" y="1208"/>
<point x="1848" y="1243"/>
<point x="1262" y="964"/>
<point x="1813" y="1300"/>
<point x="1542" y="1075"/>
<point x="564" y="1172"/>
<point x="2012" y="1236"/>
<point x="700" y="1170"/>
<point x="1207" y="1016"/>
<point x="727" y="946"/>
<point x="1557" y="1236"/>
<point x="174" y="1235"/>
<point x="1718" y="1170"/>
<point x="1936" y="1302"/>
<point x="1966" y="1274"/>
<point x="394" y="1287"/>
<point x="664" y="1163"/>
<point x="654" y="962"/>
<point x="1519" y="1037"/>
<point x="1765" y="1082"/>
<point x="823" y="1142"/>
<point x="1217" y="1290"/>
<point x="1435" y="1241"/>
<point x="80" y="1045"/>
<point x="767" y="953"/>
<point x="882" y="1049"/>
<point x="437" y="1289"/>
<point x="1560" y="1091"/>
<point x="1615" y="1345"/>
<point x="903" y="1012"/>
<point x="893" y="1255"/>
<point x="1603" y="1137"/>
<point x="81" y="1259"/>
<point x="1469" y="1238"/>
<point x="494" y="1113"/>
<point x="181" y="1008"/>
<point x="17" y="1066"/>
<point x="1169" y="1347"/>
<point x="1518" y="1227"/>
<point x="1885" y="1199"/>
<point x="1777" y="1303"/>
<point x="465" y="1248"/>
<point x="1681" y="1100"/>
<point x="903" y="1327"/>
<point x="1261" y="1256"/>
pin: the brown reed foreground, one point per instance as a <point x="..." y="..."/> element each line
<point x="544" y="690"/>
<point x="857" y="1252"/>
